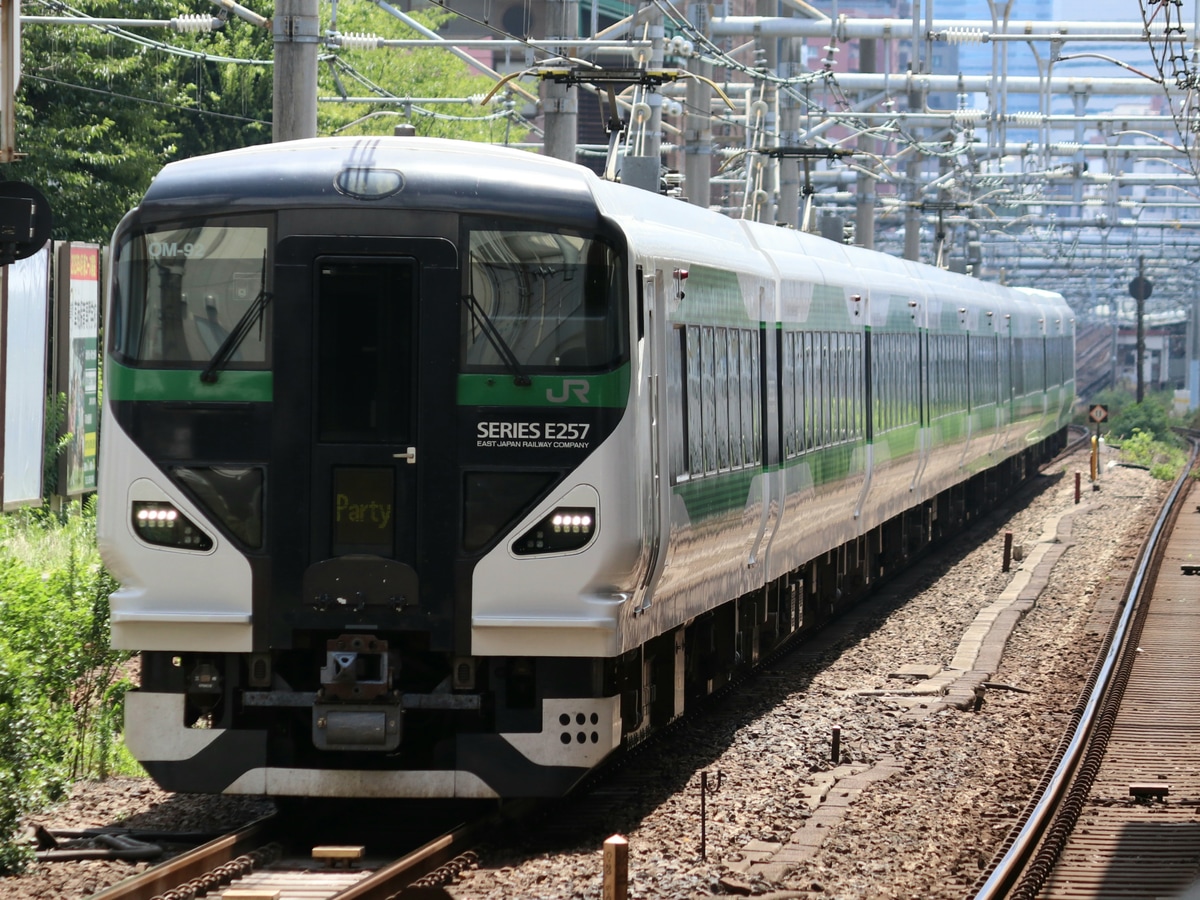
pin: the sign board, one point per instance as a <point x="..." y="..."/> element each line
<point x="25" y="221"/>
<point x="1140" y="288"/>
<point x="25" y="302"/>
<point x="1098" y="413"/>
<point x="78" y="329"/>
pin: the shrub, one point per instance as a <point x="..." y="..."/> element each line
<point x="61" y="686"/>
<point x="1150" y="417"/>
<point x="1163" y="459"/>
<point x="30" y="760"/>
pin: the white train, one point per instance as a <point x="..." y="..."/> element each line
<point x="433" y="469"/>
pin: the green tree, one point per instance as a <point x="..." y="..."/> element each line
<point x="1149" y="417"/>
<point x="101" y="111"/>
<point x="417" y="72"/>
<point x="90" y="148"/>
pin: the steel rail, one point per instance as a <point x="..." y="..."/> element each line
<point x="1021" y="847"/>
<point x="192" y="864"/>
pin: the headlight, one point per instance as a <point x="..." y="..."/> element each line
<point x="161" y="524"/>
<point x="566" y="528"/>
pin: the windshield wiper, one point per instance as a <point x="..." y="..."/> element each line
<point x="234" y="339"/>
<point x="497" y="341"/>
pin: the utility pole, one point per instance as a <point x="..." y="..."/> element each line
<point x="296" y="28"/>
<point x="1140" y="289"/>
<point x="912" y="171"/>
<point x="864" y="211"/>
<point x="644" y="168"/>
<point x="697" y="124"/>
<point x="10" y="77"/>
<point x="560" y="102"/>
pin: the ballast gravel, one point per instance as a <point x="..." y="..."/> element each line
<point x="923" y="790"/>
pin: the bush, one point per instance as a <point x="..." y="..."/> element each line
<point x="1163" y="459"/>
<point x="27" y="770"/>
<point x="1150" y="417"/>
<point x="61" y="686"/>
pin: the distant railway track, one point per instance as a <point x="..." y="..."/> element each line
<point x="1115" y="812"/>
<point x="1093" y="360"/>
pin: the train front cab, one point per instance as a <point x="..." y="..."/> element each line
<point x="300" y="520"/>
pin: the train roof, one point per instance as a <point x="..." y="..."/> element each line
<point x="478" y="178"/>
<point x="410" y="172"/>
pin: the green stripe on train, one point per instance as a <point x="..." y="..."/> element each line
<point x="610" y="389"/>
<point x="719" y="494"/>
<point x="175" y="385"/>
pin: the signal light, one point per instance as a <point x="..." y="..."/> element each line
<point x="563" y="530"/>
<point x="161" y="524"/>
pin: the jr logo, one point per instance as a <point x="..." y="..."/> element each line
<point x="576" y="386"/>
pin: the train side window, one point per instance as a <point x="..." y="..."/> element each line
<point x="822" y="388"/>
<point x="756" y="398"/>
<point x="809" y="392"/>
<point x="835" y="388"/>
<point x="797" y="386"/>
<point x="695" y="394"/>
<point x="736" y="407"/>
<point x="750" y="376"/>
<point x="708" y="383"/>
<point x="787" y="391"/>
<point x="860" y="366"/>
<point x="721" y="377"/>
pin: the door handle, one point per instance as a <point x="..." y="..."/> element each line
<point x="410" y="456"/>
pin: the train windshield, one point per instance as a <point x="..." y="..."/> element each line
<point x="182" y="291"/>
<point x="540" y="300"/>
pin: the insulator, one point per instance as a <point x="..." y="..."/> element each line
<point x="1028" y="119"/>
<point x="194" y="24"/>
<point x="354" y="41"/>
<point x="964" y="35"/>
<point x="477" y="100"/>
<point x="641" y="112"/>
<point x="968" y="116"/>
<point x="759" y="108"/>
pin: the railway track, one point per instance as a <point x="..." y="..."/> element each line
<point x="1118" y="813"/>
<point x="287" y="867"/>
<point x="263" y="861"/>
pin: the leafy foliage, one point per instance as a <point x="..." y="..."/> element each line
<point x="80" y="128"/>
<point x="405" y="73"/>
<point x="1163" y="459"/>
<point x="1149" y="417"/>
<point x="55" y="442"/>
<point x="24" y="746"/>
<point x="101" y="110"/>
<point x="61" y="687"/>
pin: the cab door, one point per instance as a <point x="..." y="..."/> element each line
<point x="366" y="450"/>
<point x="362" y="430"/>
